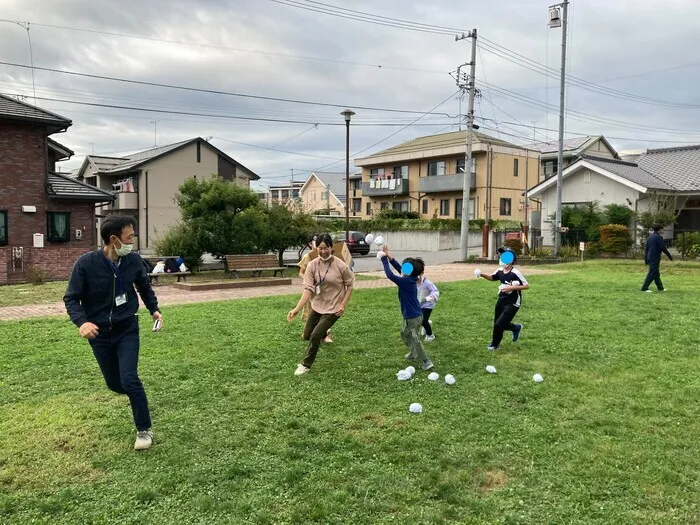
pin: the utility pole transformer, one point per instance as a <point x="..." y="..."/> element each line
<point x="471" y="85"/>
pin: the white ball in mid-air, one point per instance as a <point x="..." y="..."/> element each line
<point x="491" y="369"/>
<point x="434" y="376"/>
<point x="416" y="408"/>
<point x="537" y="378"/>
<point x="379" y="240"/>
<point x="411" y="370"/>
<point x="403" y="375"/>
<point x="369" y="238"/>
<point x="380" y="254"/>
<point x="450" y="379"/>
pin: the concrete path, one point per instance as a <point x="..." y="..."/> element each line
<point x="167" y="295"/>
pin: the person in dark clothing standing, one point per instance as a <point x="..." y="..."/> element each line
<point x="652" y="257"/>
<point x="509" y="296"/>
<point x="101" y="301"/>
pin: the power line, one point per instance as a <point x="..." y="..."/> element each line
<point x="273" y="149"/>
<point x="209" y="91"/>
<point x="227" y="48"/>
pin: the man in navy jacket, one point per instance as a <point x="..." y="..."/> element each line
<point x="101" y="301"/>
<point x="652" y="256"/>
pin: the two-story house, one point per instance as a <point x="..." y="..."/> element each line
<point x="47" y="219"/>
<point x="426" y="175"/>
<point x="146" y="183"/>
<point x="572" y="149"/>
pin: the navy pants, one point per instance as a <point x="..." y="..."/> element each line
<point x="117" y="353"/>
<point x="653" y="275"/>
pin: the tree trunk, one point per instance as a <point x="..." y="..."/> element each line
<point x="281" y="257"/>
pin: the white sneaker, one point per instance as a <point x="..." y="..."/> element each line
<point x="301" y="370"/>
<point x="144" y="440"/>
<point x="328" y="337"/>
<point x="429" y="338"/>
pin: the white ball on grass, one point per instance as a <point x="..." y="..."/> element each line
<point x="537" y="378"/>
<point x="411" y="370"/>
<point x="403" y="375"/>
<point x="434" y="376"/>
<point x="491" y="369"/>
<point x="415" y="408"/>
<point x="450" y="379"/>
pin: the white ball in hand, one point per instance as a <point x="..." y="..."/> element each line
<point x="450" y="379"/>
<point x="416" y="408"/>
<point x="380" y="254"/>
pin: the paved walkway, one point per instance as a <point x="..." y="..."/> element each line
<point x="167" y="295"/>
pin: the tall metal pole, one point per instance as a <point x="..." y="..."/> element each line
<point x="347" y="114"/>
<point x="466" y="188"/>
<point x="560" y="158"/>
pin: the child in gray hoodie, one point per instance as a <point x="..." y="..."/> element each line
<point x="428" y="295"/>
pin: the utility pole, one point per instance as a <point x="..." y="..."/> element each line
<point x="466" y="189"/>
<point x="555" y="21"/>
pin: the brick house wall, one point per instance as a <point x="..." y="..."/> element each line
<point x="23" y="169"/>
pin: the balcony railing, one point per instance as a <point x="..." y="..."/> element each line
<point x="440" y="183"/>
<point x="385" y="187"/>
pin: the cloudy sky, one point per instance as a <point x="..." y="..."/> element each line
<point x="634" y="65"/>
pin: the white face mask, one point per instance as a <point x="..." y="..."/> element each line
<point x="326" y="259"/>
<point x="125" y="249"/>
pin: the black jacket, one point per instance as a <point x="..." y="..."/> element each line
<point x="93" y="287"/>
<point x="655" y="247"/>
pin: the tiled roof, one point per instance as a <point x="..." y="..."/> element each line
<point x="629" y="171"/>
<point x="12" y="109"/>
<point x="64" y="187"/>
<point x="677" y="167"/>
<point x="106" y="163"/>
<point x="60" y="148"/>
<point x="441" y="140"/>
<point x="553" y="145"/>
<point x="336" y="181"/>
<point x="136" y="159"/>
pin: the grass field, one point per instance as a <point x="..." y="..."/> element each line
<point x="610" y="436"/>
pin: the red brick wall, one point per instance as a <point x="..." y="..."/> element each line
<point x="22" y="180"/>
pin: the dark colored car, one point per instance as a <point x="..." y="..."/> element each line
<point x="356" y="244"/>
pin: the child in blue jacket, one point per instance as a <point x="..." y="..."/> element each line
<point x="408" y="298"/>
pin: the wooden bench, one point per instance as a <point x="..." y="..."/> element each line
<point x="256" y="264"/>
<point x="154" y="276"/>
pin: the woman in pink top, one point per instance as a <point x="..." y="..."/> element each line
<point x="328" y="285"/>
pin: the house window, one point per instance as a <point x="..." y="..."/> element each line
<point x="383" y="205"/>
<point x="436" y="168"/>
<point x="356" y="205"/>
<point x="425" y="206"/>
<point x="369" y="208"/>
<point x="515" y="167"/>
<point x="374" y="172"/>
<point x="505" y="207"/>
<point x="460" y="165"/>
<point x="401" y="172"/>
<point x="199" y="152"/>
<point x="58" y="226"/>
<point x="285" y="194"/>
<point x="444" y="206"/>
<point x="550" y="168"/>
<point x="400" y="206"/>
<point x="3" y="227"/>
<point x="357" y="184"/>
<point x="458" y="208"/>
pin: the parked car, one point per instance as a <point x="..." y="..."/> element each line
<point x="356" y="243"/>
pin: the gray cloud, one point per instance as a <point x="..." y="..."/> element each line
<point x="607" y="40"/>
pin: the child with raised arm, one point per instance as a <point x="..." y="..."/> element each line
<point x="407" y="283"/>
<point x="509" y="296"/>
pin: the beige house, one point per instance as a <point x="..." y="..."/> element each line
<point x="425" y="175"/>
<point x="573" y="149"/>
<point x="145" y="183"/>
<point x="323" y="191"/>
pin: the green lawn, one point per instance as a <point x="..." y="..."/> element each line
<point x="52" y="292"/>
<point x="611" y="436"/>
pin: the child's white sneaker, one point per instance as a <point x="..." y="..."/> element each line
<point x="429" y="338"/>
<point x="301" y="370"/>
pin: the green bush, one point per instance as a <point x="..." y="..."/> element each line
<point x="688" y="244"/>
<point x="592" y="249"/>
<point x="514" y="244"/>
<point x="182" y="242"/>
<point x="36" y="275"/>
<point x="615" y="239"/>
<point x="397" y="214"/>
<point x="395" y="225"/>
<point x="569" y="251"/>
<point x="541" y="253"/>
<point x="619" y="214"/>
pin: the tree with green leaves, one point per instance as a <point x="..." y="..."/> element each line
<point x="619" y="214"/>
<point x="285" y="229"/>
<point x="210" y="207"/>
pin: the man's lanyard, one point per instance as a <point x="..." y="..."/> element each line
<point x="117" y="275"/>
<point x="321" y="281"/>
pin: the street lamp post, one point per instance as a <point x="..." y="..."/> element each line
<point x="347" y="114"/>
<point x="555" y="21"/>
